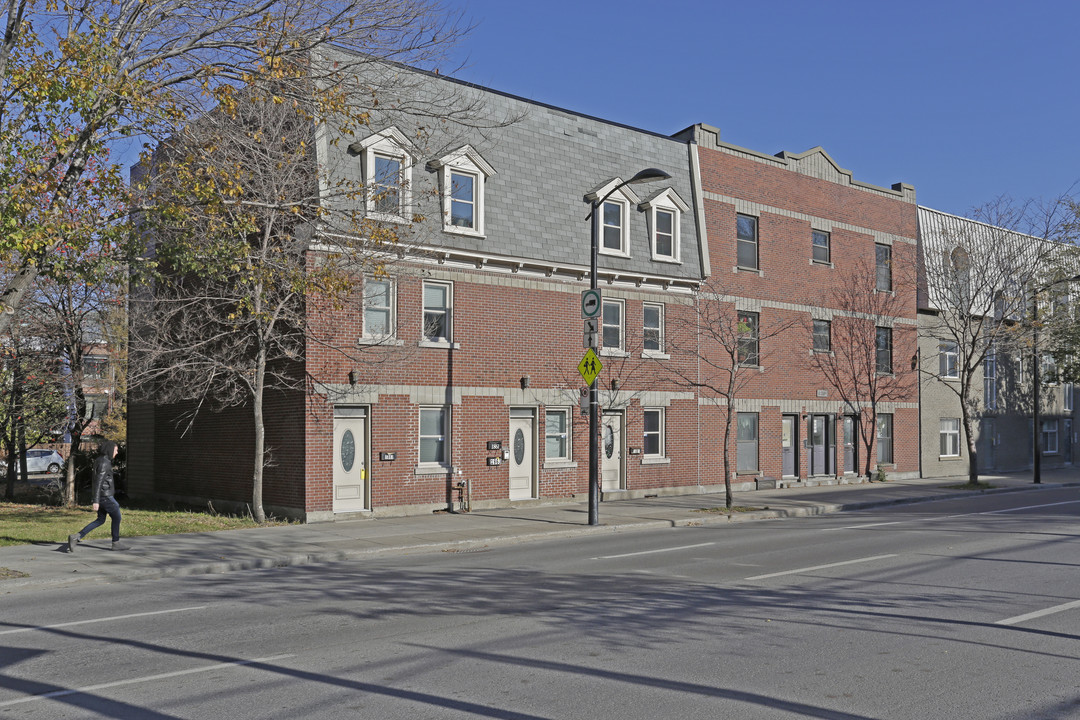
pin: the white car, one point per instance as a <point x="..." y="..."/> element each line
<point x="41" y="461"/>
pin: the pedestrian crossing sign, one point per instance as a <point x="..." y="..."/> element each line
<point x="590" y="366"/>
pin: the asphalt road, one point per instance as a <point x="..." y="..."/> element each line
<point x="955" y="610"/>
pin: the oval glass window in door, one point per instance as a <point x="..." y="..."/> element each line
<point x="609" y="441"/>
<point x="519" y="447"/>
<point x="348" y="450"/>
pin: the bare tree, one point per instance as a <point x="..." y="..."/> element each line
<point x="856" y="357"/>
<point x="731" y="345"/>
<point x="980" y="275"/>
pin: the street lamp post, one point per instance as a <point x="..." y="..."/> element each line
<point x="1036" y="367"/>
<point x="646" y="175"/>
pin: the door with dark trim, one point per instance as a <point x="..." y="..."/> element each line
<point x="789" y="445"/>
<point x="822" y="445"/>
<point x="851" y="444"/>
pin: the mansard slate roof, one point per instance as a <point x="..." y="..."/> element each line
<point x="545" y="161"/>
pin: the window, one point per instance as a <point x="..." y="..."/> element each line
<point x="949" y="434"/>
<point x="654" y="432"/>
<point x="884" y="439"/>
<point x="665" y="216"/>
<point x="1068" y="397"/>
<point x="378" y="308"/>
<point x="653" y="327"/>
<point x="883" y="350"/>
<point x="556" y="435"/>
<point x="1049" y="370"/>
<point x="438" y="307"/>
<point x="990" y="380"/>
<point x="748" y="338"/>
<point x="746" y="433"/>
<point x="613" y="218"/>
<point x="1049" y="437"/>
<point x="387" y="170"/>
<point x="822" y="336"/>
<point x="819" y="241"/>
<point x="463" y="176"/>
<point x="947" y="358"/>
<point x="433" y="435"/>
<point x="883" y="264"/>
<point x="612" y="325"/>
<point x="386" y="185"/>
<point x="746" y="233"/>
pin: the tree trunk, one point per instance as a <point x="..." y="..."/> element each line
<point x="973" y="456"/>
<point x="260" y="442"/>
<point x="868" y="442"/>
<point x="728" y="502"/>
<point x="69" y="472"/>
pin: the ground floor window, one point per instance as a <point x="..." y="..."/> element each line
<point x="884" y="438"/>
<point x="556" y="437"/>
<point x="654" y="432"/>
<point x="950" y="437"/>
<point x="1049" y="437"/>
<point x="434" y="433"/>
<point x="747" y="442"/>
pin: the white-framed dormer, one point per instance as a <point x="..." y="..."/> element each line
<point x="387" y="169"/>
<point x="463" y="175"/>
<point x="665" y="210"/>
<point x="614" y="217"/>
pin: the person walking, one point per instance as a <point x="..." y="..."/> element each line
<point x="104" y="502"/>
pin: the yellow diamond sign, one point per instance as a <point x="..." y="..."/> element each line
<point x="590" y="366"/>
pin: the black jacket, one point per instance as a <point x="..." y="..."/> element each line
<point x="103" y="472"/>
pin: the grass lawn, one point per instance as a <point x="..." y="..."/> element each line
<point x="21" y="524"/>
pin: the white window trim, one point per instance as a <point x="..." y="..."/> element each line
<point x="389" y="338"/>
<point x="668" y="200"/>
<point x="390" y="143"/>
<point x="429" y="467"/>
<point x="448" y="340"/>
<point x="946" y="350"/>
<point x="662" y="434"/>
<point x="566" y="461"/>
<point x="621" y="350"/>
<point x="1052" y="433"/>
<point x="1068" y="397"/>
<point x="625" y="197"/>
<point x="757" y="245"/>
<point x="662" y="353"/>
<point x="954" y="435"/>
<point x="827" y="246"/>
<point x="465" y="161"/>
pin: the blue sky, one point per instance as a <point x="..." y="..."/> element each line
<point x="964" y="100"/>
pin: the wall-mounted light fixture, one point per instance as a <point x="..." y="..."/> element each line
<point x="524" y="381"/>
<point x="352" y="378"/>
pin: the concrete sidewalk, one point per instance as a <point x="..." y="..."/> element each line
<point x="218" y="552"/>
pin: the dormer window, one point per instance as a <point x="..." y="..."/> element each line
<point x="463" y="176"/>
<point x="614" y="217"/>
<point x="387" y="169"/>
<point x="665" y="210"/>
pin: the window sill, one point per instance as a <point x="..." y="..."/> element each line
<point x="949" y="378"/>
<point x="612" y="352"/>
<point x="613" y="253"/>
<point x="431" y="469"/>
<point x="886" y="292"/>
<point x="560" y="465"/>
<point x="439" y="344"/>
<point x="755" y="271"/>
<point x="655" y="460"/>
<point x="468" y="232"/>
<point x="948" y="458"/>
<point x="666" y="259"/>
<point x="822" y="263"/>
<point x="655" y="355"/>
<point x="814" y="351"/>
<point x="387" y="340"/>
<point x="387" y="218"/>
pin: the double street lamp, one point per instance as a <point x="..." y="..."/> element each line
<point x="1036" y="364"/>
<point x="646" y="175"/>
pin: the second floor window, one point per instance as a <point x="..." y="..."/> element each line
<point x="463" y="200"/>
<point x="822" y="336"/>
<point x="748" y="338"/>
<point x="653" y="327"/>
<point x="613" y="219"/>
<point x="378" y="308"/>
<point x="612" y="326"/>
<point x="947" y="360"/>
<point x="820" y="246"/>
<point x="883" y="350"/>
<point x="386" y="185"/>
<point x="437" y="311"/>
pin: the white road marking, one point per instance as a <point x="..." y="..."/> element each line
<point x="821" y="567"/>
<point x="652" y="552"/>
<point x="868" y="525"/>
<point x="105" y="619"/>
<point x="132" y="681"/>
<point x="1039" y="613"/>
<point x="1029" y="507"/>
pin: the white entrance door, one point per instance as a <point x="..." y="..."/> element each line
<point x="522" y="457"/>
<point x="611" y="452"/>
<point x="350" y="468"/>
